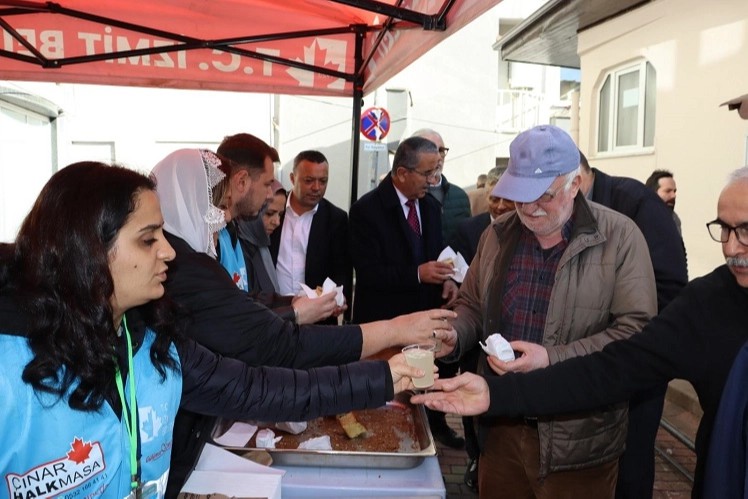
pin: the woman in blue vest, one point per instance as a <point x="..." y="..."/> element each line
<point x="92" y="363"/>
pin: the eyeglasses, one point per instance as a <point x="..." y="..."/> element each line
<point x="546" y="197"/>
<point x="443" y="151"/>
<point x="429" y="175"/>
<point x="720" y="232"/>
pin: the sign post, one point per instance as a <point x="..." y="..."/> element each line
<point x="375" y="124"/>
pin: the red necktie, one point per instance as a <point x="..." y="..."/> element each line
<point x="413" y="216"/>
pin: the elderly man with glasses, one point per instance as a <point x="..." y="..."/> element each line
<point x="454" y="201"/>
<point x="396" y="237"/>
<point x="560" y="277"/>
<point x="700" y="337"/>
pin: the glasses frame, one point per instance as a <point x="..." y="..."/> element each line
<point x="546" y="197"/>
<point x="443" y="151"/>
<point x="427" y="176"/>
<point x="723" y="226"/>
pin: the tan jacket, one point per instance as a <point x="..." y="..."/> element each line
<point x="604" y="290"/>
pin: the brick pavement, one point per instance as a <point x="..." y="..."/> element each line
<point x="669" y="483"/>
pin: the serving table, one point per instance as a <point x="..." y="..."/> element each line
<point x="424" y="480"/>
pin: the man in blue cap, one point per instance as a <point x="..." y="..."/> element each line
<point x="563" y="277"/>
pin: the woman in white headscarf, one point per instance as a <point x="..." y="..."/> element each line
<point x="225" y="318"/>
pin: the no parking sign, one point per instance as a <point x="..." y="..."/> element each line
<point x="375" y="123"/>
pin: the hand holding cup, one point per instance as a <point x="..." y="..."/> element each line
<point x="421" y="355"/>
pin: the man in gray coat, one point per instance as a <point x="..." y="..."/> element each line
<point x="564" y="277"/>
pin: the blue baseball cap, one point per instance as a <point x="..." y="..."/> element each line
<point x="536" y="158"/>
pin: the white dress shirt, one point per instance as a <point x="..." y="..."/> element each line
<point x="291" y="265"/>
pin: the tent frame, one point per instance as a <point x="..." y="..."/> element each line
<point x="395" y="14"/>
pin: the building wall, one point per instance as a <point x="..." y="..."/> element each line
<point x="699" y="51"/>
<point x="451" y="88"/>
<point x="135" y="127"/>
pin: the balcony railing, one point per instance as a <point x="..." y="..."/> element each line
<point x="518" y="110"/>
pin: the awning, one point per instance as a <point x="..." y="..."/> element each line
<point x="549" y="36"/>
<point x="313" y="47"/>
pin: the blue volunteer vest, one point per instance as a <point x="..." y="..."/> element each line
<point x="232" y="259"/>
<point x="48" y="449"/>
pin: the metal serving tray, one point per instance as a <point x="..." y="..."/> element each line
<point x="351" y="459"/>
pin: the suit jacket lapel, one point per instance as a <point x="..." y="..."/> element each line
<point x="393" y="210"/>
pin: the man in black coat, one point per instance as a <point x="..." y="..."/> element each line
<point x="396" y="267"/>
<point x="311" y="243"/>
<point x="396" y="237"/>
<point x="651" y="215"/>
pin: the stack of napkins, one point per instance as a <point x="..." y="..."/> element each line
<point x="457" y="261"/>
<point x="221" y="472"/>
<point x="327" y="286"/>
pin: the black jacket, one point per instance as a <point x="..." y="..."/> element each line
<point x="227" y="321"/>
<point x="386" y="266"/>
<point x="695" y="338"/>
<point x="467" y="236"/>
<point x="327" y="252"/>
<point x="655" y="220"/>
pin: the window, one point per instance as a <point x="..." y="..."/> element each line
<point x="626" y="117"/>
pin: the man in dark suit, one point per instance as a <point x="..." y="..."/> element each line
<point x="654" y="219"/>
<point x="311" y="243"/>
<point x="396" y="237"/>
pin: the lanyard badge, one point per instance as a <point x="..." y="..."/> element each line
<point x="131" y="420"/>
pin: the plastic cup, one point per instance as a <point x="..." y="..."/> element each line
<point x="421" y="356"/>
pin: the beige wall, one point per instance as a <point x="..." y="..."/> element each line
<point x="700" y="52"/>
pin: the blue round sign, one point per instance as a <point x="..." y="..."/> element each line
<point x="375" y="123"/>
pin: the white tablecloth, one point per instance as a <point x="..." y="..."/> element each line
<point x="424" y="480"/>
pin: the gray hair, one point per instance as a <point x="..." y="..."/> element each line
<point x="424" y="132"/>
<point x="739" y="174"/>
<point x="570" y="178"/>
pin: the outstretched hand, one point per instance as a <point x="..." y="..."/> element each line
<point x="428" y="326"/>
<point x="466" y="394"/>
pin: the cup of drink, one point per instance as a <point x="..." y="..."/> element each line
<point x="421" y="356"/>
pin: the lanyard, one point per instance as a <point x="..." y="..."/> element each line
<point x="130" y="419"/>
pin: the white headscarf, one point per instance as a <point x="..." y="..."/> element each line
<point x="184" y="183"/>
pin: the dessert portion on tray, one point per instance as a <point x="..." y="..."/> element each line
<point x="393" y="436"/>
